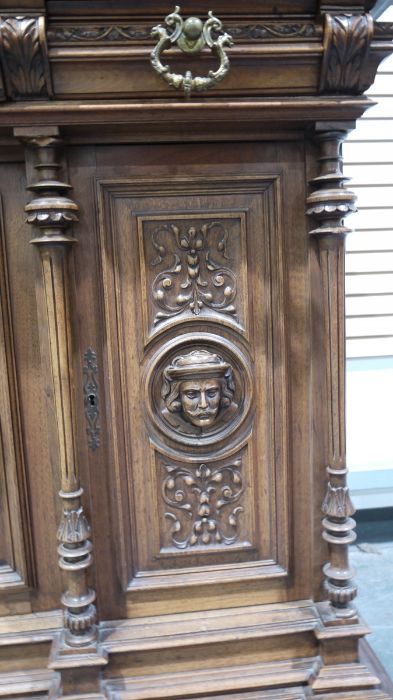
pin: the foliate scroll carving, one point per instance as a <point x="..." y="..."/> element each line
<point x="139" y="33"/>
<point x="90" y="390"/>
<point x="203" y="501"/>
<point x="347" y="40"/>
<point x="24" y="59"/>
<point x="199" y="275"/>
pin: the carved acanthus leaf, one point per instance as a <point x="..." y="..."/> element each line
<point x="346" y="41"/>
<point x="24" y="58"/>
<point x="73" y="527"/>
<point x="337" y="502"/>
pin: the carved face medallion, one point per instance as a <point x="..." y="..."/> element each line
<point x="198" y="390"/>
<point x="200" y="401"/>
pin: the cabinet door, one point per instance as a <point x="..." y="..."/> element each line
<point x="192" y="281"/>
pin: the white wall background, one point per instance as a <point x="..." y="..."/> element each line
<point x="368" y="158"/>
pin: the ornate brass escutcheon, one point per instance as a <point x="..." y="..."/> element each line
<point x="191" y="36"/>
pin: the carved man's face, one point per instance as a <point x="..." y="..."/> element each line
<point x="200" y="400"/>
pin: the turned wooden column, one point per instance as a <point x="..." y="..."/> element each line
<point x="329" y="203"/>
<point x="51" y="212"/>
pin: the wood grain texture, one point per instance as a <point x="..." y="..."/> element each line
<point x="17" y="564"/>
<point x="204" y="324"/>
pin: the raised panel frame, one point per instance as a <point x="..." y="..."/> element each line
<point x="108" y="192"/>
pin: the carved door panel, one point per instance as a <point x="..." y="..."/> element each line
<point x="198" y="289"/>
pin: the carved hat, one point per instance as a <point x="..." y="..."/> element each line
<point x="200" y="363"/>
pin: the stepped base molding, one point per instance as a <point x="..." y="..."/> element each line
<point x="256" y="653"/>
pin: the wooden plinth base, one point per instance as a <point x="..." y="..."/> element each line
<point x="273" y="652"/>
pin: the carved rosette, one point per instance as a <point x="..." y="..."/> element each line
<point x="329" y="204"/>
<point x="51" y="212"/>
<point x="24" y="58"/>
<point x="347" y="40"/>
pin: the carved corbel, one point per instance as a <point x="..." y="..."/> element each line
<point x="329" y="203"/>
<point x="24" y="58"/>
<point x="346" y="43"/>
<point x="51" y="212"/>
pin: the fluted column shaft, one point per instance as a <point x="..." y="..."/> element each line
<point x="329" y="203"/>
<point x="51" y="212"/>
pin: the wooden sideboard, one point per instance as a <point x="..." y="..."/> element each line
<point x="175" y="519"/>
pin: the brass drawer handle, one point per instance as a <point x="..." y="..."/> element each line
<point x="191" y="36"/>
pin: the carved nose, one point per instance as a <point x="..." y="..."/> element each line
<point x="202" y="400"/>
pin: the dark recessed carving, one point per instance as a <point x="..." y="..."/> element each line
<point x="139" y="33"/>
<point x="198" y="390"/>
<point x="273" y="30"/>
<point x="197" y="277"/>
<point x="203" y="500"/>
<point x="24" y="58"/>
<point x="99" y="34"/>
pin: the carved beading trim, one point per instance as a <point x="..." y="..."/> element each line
<point x="347" y="40"/>
<point x="329" y="204"/>
<point x="90" y="390"/>
<point x="24" y="58"/>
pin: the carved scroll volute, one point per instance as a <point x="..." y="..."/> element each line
<point x="330" y="203"/>
<point x="51" y="213"/>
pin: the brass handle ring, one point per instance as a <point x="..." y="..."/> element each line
<point x="191" y="36"/>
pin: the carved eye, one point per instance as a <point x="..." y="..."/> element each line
<point x="212" y="393"/>
<point x="191" y="394"/>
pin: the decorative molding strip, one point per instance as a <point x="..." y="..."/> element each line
<point x="329" y="204"/>
<point x="90" y="390"/>
<point x="347" y="40"/>
<point x="274" y="30"/>
<point x="138" y="33"/>
<point x="24" y="58"/>
<point x="383" y="30"/>
<point x="51" y="213"/>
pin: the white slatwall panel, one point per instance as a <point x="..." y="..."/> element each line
<point x="368" y="158"/>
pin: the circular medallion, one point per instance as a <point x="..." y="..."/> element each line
<point x="198" y="389"/>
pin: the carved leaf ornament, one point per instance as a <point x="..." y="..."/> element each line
<point x="197" y="277"/>
<point x="22" y="57"/>
<point x="203" y="498"/>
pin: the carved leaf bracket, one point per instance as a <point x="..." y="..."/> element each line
<point x="24" y="58"/>
<point x="347" y="40"/>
